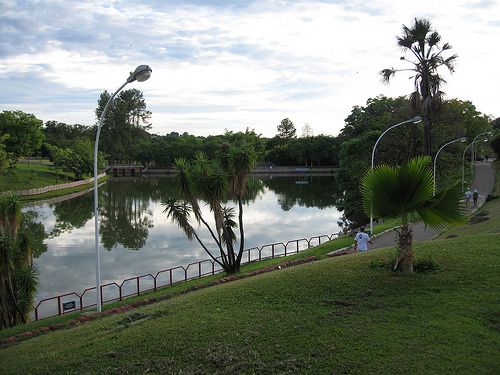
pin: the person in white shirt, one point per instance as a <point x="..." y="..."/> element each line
<point x="362" y="240"/>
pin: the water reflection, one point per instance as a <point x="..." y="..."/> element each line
<point x="276" y="210"/>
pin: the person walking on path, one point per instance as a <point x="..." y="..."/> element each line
<point x="467" y="196"/>
<point x="362" y="240"/>
<point x="475" y="195"/>
<point x="483" y="182"/>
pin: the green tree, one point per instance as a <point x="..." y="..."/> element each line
<point x="286" y="130"/>
<point x="495" y="145"/>
<point x="211" y="181"/>
<point x="126" y="123"/>
<point x="393" y="192"/>
<point x="3" y="153"/>
<point x="425" y="46"/>
<point x="354" y="158"/>
<point x="25" y="133"/>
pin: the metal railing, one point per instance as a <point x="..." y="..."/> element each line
<point x="135" y="286"/>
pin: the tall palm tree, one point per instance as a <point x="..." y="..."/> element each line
<point x="400" y="191"/>
<point x="211" y="181"/>
<point x="424" y="44"/>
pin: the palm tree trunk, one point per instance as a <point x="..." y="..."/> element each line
<point x="427" y="135"/>
<point x="405" y="243"/>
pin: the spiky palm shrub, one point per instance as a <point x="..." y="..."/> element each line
<point x="406" y="189"/>
<point x="210" y="181"/>
<point x="18" y="276"/>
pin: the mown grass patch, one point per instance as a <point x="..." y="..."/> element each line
<point x="336" y="315"/>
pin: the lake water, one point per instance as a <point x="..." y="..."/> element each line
<point x="137" y="237"/>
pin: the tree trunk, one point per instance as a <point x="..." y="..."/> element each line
<point x="405" y="243"/>
<point x="427" y="135"/>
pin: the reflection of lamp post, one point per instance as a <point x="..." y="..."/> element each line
<point x="141" y="73"/>
<point x="414" y="120"/>
<point x="463" y="159"/>
<point x="435" y="159"/>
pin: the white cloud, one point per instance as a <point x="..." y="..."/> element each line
<point x="232" y="64"/>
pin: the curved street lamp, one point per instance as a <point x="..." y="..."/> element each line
<point x="473" y="156"/>
<point x="415" y="120"/>
<point x="463" y="139"/>
<point x="141" y="74"/>
<point x="463" y="158"/>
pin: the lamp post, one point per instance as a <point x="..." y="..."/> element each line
<point x="463" y="159"/>
<point x="473" y="156"/>
<point x="435" y="159"/>
<point x="414" y="120"/>
<point x="141" y="73"/>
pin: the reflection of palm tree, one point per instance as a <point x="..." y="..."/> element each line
<point x="400" y="191"/>
<point x="424" y="44"/>
<point x="18" y="277"/>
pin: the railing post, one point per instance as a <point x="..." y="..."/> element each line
<point x="59" y="305"/>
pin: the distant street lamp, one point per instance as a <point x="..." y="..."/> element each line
<point x="473" y="156"/>
<point x="463" y="159"/>
<point x="463" y="139"/>
<point x="141" y="73"/>
<point x="415" y="120"/>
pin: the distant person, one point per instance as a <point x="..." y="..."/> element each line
<point x="467" y="196"/>
<point x="361" y="240"/>
<point x="475" y="195"/>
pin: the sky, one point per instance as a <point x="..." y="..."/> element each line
<point x="232" y="64"/>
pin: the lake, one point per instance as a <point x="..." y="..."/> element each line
<point x="137" y="238"/>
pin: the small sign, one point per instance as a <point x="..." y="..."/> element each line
<point x="71" y="305"/>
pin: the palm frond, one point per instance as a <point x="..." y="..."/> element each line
<point x="179" y="212"/>
<point x="445" y="209"/>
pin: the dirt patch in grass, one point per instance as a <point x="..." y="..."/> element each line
<point x="479" y="217"/>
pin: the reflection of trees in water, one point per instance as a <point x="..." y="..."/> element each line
<point x="304" y="190"/>
<point x="36" y="231"/>
<point x="125" y="216"/>
<point x="72" y="213"/>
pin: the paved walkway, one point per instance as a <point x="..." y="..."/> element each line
<point x="484" y="182"/>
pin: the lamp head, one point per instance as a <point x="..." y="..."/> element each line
<point x="141" y="74"/>
<point x="416" y="120"/>
<point x="463" y="139"/>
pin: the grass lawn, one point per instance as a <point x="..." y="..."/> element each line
<point x="36" y="175"/>
<point x="337" y="315"/>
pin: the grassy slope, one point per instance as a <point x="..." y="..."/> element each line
<point x="37" y="176"/>
<point x="337" y="315"/>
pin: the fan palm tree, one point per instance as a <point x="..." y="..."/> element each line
<point x="400" y="191"/>
<point x="211" y="181"/>
<point x="424" y="44"/>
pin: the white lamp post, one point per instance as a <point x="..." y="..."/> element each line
<point x="463" y="139"/>
<point x="463" y="159"/>
<point x="414" y="120"/>
<point x="473" y="156"/>
<point x="141" y="73"/>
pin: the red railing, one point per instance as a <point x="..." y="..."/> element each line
<point x="145" y="283"/>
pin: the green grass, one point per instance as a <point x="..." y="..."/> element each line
<point x="336" y="315"/>
<point x="24" y="176"/>
<point x="340" y="315"/>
